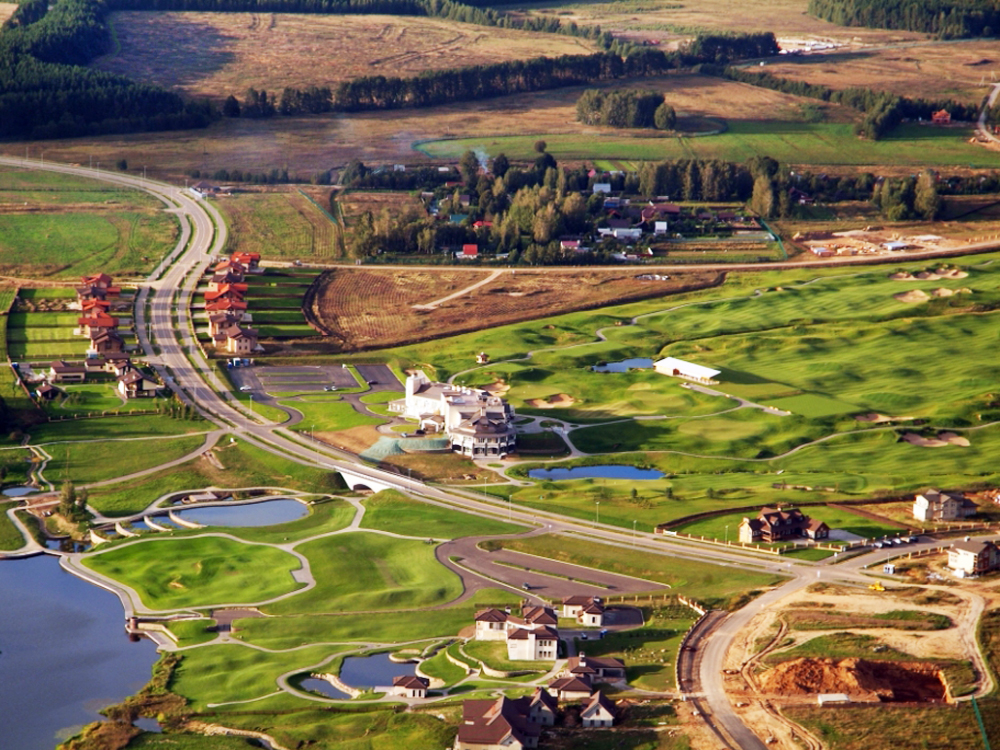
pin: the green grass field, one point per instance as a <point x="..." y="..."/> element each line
<point x="363" y="571"/>
<point x="198" y="571"/>
<point x="329" y="416"/>
<point x="835" y="518"/>
<point x="788" y="142"/>
<point x="10" y="537"/>
<point x="393" y="511"/>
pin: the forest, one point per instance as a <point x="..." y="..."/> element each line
<point x="625" y="108"/>
<point x="948" y="19"/>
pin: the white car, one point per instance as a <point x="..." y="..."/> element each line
<point x="245" y="388"/>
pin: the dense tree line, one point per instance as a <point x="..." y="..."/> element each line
<point x="882" y="109"/>
<point x="909" y="198"/>
<point x="45" y="93"/>
<point x="625" y="108"/>
<point x="950" y="19"/>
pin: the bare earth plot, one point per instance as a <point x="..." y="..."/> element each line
<point x="7" y="10"/>
<point x="371" y="308"/>
<point x="216" y="54"/>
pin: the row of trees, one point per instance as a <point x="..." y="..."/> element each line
<point x="950" y="19"/>
<point x="909" y="198"/>
<point x="882" y="109"/>
<point x="625" y="108"/>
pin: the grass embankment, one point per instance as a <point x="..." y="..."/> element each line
<point x="198" y="571"/>
<point x="10" y="537"/>
<point x="363" y="571"/>
<point x="494" y="654"/>
<point x="393" y="511"/>
<point x="329" y="415"/>
<point x="704" y="581"/>
<point x="438" y="666"/>
<point x="243" y="466"/>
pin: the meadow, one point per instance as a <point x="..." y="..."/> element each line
<point x="797" y="143"/>
<point x="199" y="571"/>
<point x="392" y="511"/>
<point x="62" y="227"/>
<point x="283" y="224"/>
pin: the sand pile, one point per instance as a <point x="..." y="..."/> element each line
<point x="943" y="439"/>
<point x="901" y="276"/>
<point x="912" y="296"/>
<point x="858" y="678"/>
<point x="943" y="291"/>
<point x="877" y="418"/>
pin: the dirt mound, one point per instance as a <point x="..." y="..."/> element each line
<point x="901" y="276"/>
<point x="882" y="681"/>
<point x="943" y="291"/>
<point x="874" y="416"/>
<point x="951" y="273"/>
<point x="943" y="439"/>
<point x="559" y="401"/>
<point x="914" y="295"/>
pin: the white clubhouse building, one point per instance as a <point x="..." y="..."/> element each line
<point x="477" y="422"/>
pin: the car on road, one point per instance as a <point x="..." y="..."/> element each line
<point x="245" y="388"/>
<point x="329" y="387"/>
<point x="584" y="636"/>
<point x="372" y="382"/>
<point x="526" y="586"/>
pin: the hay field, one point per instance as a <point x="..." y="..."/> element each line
<point x="930" y="70"/>
<point x="366" y="308"/>
<point x="7" y="10"/>
<point x="278" y="224"/>
<point x="668" y="20"/>
<point x="216" y="54"/>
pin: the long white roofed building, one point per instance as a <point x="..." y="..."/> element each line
<point x="477" y="422"/>
<point x="678" y="368"/>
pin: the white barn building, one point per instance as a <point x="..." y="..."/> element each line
<point x="678" y="368"/>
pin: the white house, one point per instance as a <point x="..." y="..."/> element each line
<point x="529" y="638"/>
<point x="477" y="422"/>
<point x="599" y="711"/>
<point x="934" y="505"/>
<point x="491" y="625"/>
<point x="532" y="644"/>
<point x="586" y="610"/>
<point x="409" y="686"/>
<point x="678" y="368"/>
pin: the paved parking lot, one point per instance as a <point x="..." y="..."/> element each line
<point x="380" y="375"/>
<point x="305" y="379"/>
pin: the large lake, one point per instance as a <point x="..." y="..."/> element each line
<point x="64" y="654"/>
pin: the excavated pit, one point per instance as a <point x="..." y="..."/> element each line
<point x="860" y="679"/>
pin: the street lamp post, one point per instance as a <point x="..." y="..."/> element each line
<point x="251" y="404"/>
<point x="633" y="533"/>
<point x="597" y="520"/>
<point x="727" y="533"/>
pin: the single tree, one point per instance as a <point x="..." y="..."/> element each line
<point x="665" y="117"/>
<point x="231" y="107"/>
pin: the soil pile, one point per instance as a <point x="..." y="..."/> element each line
<point x="914" y="295"/>
<point x="862" y="680"/>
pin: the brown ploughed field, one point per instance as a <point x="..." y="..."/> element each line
<point x="367" y="308"/>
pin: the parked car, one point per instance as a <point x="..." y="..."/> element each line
<point x="526" y="586"/>
<point x="329" y="387"/>
<point x="246" y="388"/>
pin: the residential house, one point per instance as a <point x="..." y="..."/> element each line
<point x="240" y="340"/>
<point x="99" y="280"/>
<point x="133" y="384"/>
<point x="539" y="615"/>
<point x="409" y="686"/>
<point x="934" y="505"/>
<point x="64" y="372"/>
<point x="482" y="358"/>
<point x="250" y="260"/>
<point x="973" y="558"/>
<point x="91" y="304"/>
<point x="470" y="251"/>
<point x="777" y="525"/>
<point x="602" y="187"/>
<point x="477" y="422"/>
<point x="228" y="264"/>
<point x="223" y="278"/>
<point x="106" y="342"/>
<point x="227" y="305"/>
<point x="620" y="229"/>
<point x="600" y="711"/>
<point x="941" y="117"/>
<point x="96" y="322"/>
<point x="117" y="365"/>
<point x="542" y="707"/>
<point x="47" y="392"/>
<point x="500" y="724"/>
<point x="595" y="668"/>
<point x="220" y="321"/>
<point x="226" y="291"/>
<point x="491" y="625"/>
<point x="532" y="644"/>
<point x="570" y="244"/>
<point x="571" y="688"/>
<point x="586" y="610"/>
<point x="678" y="368"/>
<point x="95" y="364"/>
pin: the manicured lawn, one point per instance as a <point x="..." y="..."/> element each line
<point x="290" y="631"/>
<point x="198" y="572"/>
<point x="439" y="666"/>
<point x="382" y="397"/>
<point x="329" y="416"/>
<point x="393" y="511"/>
<point x="494" y="654"/>
<point x="704" y="581"/>
<point x="835" y="518"/>
<point x="363" y="571"/>
<point x="10" y="537"/>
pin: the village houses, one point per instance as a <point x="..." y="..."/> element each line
<point x="934" y="505"/>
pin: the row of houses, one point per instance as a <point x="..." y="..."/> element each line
<point x="132" y="382"/>
<point x="225" y="303"/>
<point x="95" y="298"/>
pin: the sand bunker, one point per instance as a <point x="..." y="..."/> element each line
<point x="943" y="439"/>
<point x="862" y="680"/>
<point x="497" y="387"/>
<point x="879" y="418"/>
<point x="559" y="401"/>
<point x="913" y="296"/>
<point x="943" y="291"/>
<point x="939" y="273"/>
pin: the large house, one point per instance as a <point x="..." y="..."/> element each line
<point x="934" y="505"/>
<point x="133" y="384"/>
<point x="477" y="422"/>
<point x="973" y="558"/>
<point x="777" y="525"/>
<point x="599" y="712"/>
<point x="531" y="637"/>
<point x="595" y="668"/>
<point x="505" y="723"/>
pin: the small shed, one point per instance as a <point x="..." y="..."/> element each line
<point x="833" y="699"/>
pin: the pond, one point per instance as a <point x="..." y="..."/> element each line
<point x="64" y="653"/>
<point x="595" y="472"/>
<point x="376" y="670"/>
<point x="19" y="491"/>
<point x="636" y="363"/>
<point x="316" y="685"/>
<point x="267" y="513"/>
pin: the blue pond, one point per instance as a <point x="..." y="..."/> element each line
<point x="372" y="671"/>
<point x="596" y="472"/>
<point x="323" y="687"/>
<point x="639" y="363"/>
<point x="267" y="513"/>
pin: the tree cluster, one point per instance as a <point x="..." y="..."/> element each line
<point x="949" y="19"/>
<point x="46" y="93"/>
<point x="625" y="108"/>
<point x="909" y="198"/>
<point x="882" y="110"/>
